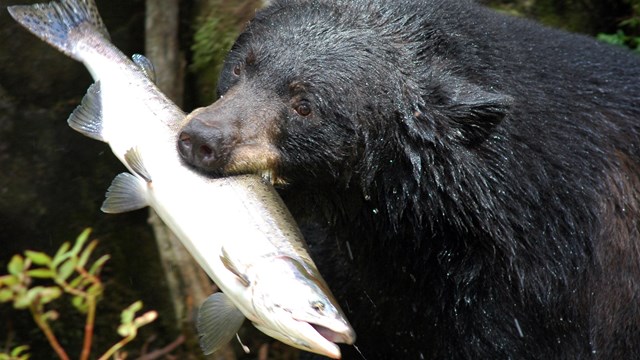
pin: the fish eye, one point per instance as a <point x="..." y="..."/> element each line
<point x="318" y="306"/>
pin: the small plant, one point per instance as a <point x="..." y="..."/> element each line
<point x="71" y="274"/>
<point x="16" y="353"/>
<point x="631" y="37"/>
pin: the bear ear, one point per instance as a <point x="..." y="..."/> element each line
<point x="473" y="112"/>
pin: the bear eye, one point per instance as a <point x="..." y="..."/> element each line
<point x="237" y="70"/>
<point x="303" y="109"/>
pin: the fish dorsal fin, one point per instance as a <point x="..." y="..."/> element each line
<point x="126" y="193"/>
<point x="87" y="117"/>
<point x="218" y="321"/>
<point x="145" y="65"/>
<point x="134" y="160"/>
<point x="228" y="263"/>
<point x="55" y="22"/>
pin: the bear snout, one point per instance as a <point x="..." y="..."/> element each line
<point x="203" y="145"/>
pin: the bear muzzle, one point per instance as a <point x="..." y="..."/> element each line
<point x="204" y="146"/>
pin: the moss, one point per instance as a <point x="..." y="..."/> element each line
<point x="217" y="25"/>
<point x="212" y="39"/>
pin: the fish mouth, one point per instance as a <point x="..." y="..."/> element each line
<point x="346" y="336"/>
<point x="322" y="339"/>
<point x="319" y="339"/>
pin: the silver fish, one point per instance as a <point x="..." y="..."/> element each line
<point x="236" y="228"/>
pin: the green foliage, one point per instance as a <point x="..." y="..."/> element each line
<point x="212" y="39"/>
<point x="17" y="353"/>
<point x="211" y="42"/>
<point x="621" y="39"/>
<point x="69" y="272"/>
<point x="628" y="33"/>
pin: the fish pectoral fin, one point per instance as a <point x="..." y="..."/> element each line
<point x="226" y="261"/>
<point x="218" y="321"/>
<point x="87" y="117"/>
<point x="134" y="160"/>
<point x="145" y="65"/>
<point x="126" y="193"/>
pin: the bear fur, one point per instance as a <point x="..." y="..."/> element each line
<point x="468" y="182"/>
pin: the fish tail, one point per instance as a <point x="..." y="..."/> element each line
<point x="56" y="22"/>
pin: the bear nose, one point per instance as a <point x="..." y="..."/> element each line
<point x="202" y="145"/>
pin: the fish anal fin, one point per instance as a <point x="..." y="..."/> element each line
<point x="134" y="160"/>
<point x="87" y="117"/>
<point x="126" y="193"/>
<point x="226" y="261"/>
<point x="218" y="321"/>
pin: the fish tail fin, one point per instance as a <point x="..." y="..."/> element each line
<point x="55" y="22"/>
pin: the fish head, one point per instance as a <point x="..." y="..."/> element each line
<point x="294" y="305"/>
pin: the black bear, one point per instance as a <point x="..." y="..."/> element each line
<point x="468" y="182"/>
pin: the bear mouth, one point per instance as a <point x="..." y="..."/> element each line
<point x="258" y="160"/>
<point x="270" y="176"/>
<point x="267" y="174"/>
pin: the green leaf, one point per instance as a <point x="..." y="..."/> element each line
<point x="80" y="241"/>
<point x="97" y="266"/>
<point x="21" y="301"/>
<point x="8" y="280"/>
<point x="41" y="273"/>
<point x="50" y="315"/>
<point x="66" y="269"/>
<point x="128" y="314"/>
<point x="18" y="350"/>
<point x="61" y="255"/>
<point x="95" y="289"/>
<point x="618" y="38"/>
<point x="38" y="258"/>
<point x="79" y="303"/>
<point x="126" y="330"/>
<point x="49" y="294"/>
<point x="35" y="293"/>
<point x="84" y="257"/>
<point x="6" y="295"/>
<point x="16" y="265"/>
<point x="77" y="282"/>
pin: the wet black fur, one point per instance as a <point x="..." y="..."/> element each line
<point x="468" y="180"/>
